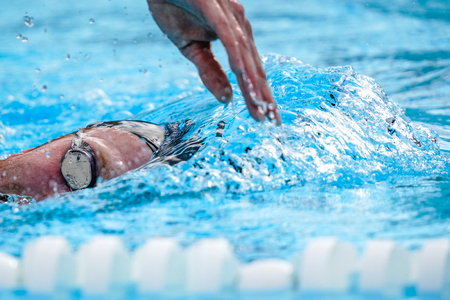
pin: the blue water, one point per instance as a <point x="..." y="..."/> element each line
<point x="357" y="158"/>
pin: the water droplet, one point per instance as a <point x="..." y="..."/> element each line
<point x="70" y="161"/>
<point x="68" y="57"/>
<point x="61" y="96"/>
<point x="44" y="88"/>
<point x="91" y="21"/>
<point x="261" y="110"/>
<point x="271" y="106"/>
<point x="28" y="21"/>
<point x="18" y="36"/>
<point x="37" y="70"/>
<point x="48" y="154"/>
<point x="24" y="39"/>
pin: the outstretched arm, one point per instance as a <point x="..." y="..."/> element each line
<point x="192" y="24"/>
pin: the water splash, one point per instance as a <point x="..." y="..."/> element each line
<point x="339" y="128"/>
<point x="340" y="133"/>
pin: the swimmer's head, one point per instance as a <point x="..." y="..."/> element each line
<point x="37" y="172"/>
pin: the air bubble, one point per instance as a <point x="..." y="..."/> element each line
<point x="15" y="178"/>
<point x="271" y="115"/>
<point x="91" y="21"/>
<point x="61" y="96"/>
<point x="150" y="35"/>
<point x="87" y="56"/>
<point x="37" y="70"/>
<point x="4" y="173"/>
<point x="44" y="88"/>
<point x="18" y="36"/>
<point x="68" y="57"/>
<point x="48" y="154"/>
<point x="24" y="39"/>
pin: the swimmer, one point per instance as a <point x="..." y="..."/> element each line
<point x="103" y="151"/>
<point x="192" y="24"/>
<point x="99" y="152"/>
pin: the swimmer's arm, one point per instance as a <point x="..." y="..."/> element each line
<point x="192" y="24"/>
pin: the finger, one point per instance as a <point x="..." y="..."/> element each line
<point x="210" y="71"/>
<point x="266" y="95"/>
<point x="272" y="108"/>
<point x="244" y="59"/>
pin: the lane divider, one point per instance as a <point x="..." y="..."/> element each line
<point x="102" y="266"/>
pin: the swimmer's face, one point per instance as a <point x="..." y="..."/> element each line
<point x="36" y="172"/>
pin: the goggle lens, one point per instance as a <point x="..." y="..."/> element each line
<point x="76" y="169"/>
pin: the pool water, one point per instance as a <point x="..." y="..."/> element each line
<point x="363" y="88"/>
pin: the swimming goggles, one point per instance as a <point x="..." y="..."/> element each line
<point x="78" y="166"/>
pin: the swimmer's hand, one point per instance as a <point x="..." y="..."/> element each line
<point x="192" y="24"/>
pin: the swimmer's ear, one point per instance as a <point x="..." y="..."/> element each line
<point x="209" y="69"/>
